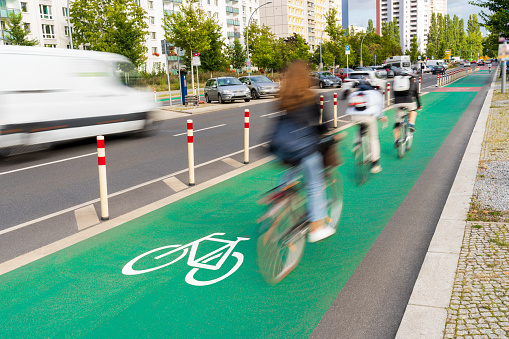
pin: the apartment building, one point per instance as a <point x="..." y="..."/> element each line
<point x="412" y="16"/>
<point x="46" y="21"/>
<point x="304" y="17"/>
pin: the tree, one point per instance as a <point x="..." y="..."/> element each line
<point x="236" y="54"/>
<point x="371" y="27"/>
<point x="497" y="17"/>
<point x="474" y="37"/>
<point x="188" y="29"/>
<point x="214" y="58"/>
<point x="16" y="32"/>
<point x="414" y="49"/>
<point x="116" y="26"/>
<point x="261" y="46"/>
<point x="289" y="50"/>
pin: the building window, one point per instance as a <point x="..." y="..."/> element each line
<point x="66" y="30"/>
<point x="209" y="14"/>
<point x="154" y="50"/>
<point x="48" y="31"/>
<point x="50" y="45"/>
<point x="65" y="12"/>
<point x="151" y="20"/>
<point x="244" y="20"/>
<point x="27" y="27"/>
<point x="153" y="35"/>
<point x="216" y="2"/>
<point x="24" y="7"/>
<point x="208" y="2"/>
<point x="244" y="9"/>
<point x="151" y="4"/>
<point x="68" y="46"/>
<point x="45" y="11"/>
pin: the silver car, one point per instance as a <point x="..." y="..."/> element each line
<point x="225" y="89"/>
<point x="260" y="86"/>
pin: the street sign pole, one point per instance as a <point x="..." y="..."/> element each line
<point x="347" y="52"/>
<point x="165" y="48"/>
<point x="192" y="73"/>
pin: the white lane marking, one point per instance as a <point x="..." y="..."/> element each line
<point x="175" y="184"/>
<point x="70" y="209"/>
<point x="86" y="217"/>
<point x="48" y="163"/>
<point x="199" y="130"/>
<point x="233" y="162"/>
<point x="266" y="115"/>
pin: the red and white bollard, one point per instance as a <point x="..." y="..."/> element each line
<point x="190" y="151"/>
<point x="103" y="186"/>
<point x="321" y="109"/>
<point x="246" y="136"/>
<point x="155" y="96"/>
<point x="388" y="94"/>
<point x="419" y="84"/>
<point x="438" y="79"/>
<point x="335" y="110"/>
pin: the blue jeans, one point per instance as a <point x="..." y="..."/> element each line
<point x="312" y="168"/>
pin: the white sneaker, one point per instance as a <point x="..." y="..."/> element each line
<point x="376" y="169"/>
<point x="321" y="234"/>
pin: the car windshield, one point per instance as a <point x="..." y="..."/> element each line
<point x="228" y="82"/>
<point x="326" y="74"/>
<point x="359" y="76"/>
<point x="261" y="80"/>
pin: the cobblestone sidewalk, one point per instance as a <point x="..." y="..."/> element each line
<point x="479" y="306"/>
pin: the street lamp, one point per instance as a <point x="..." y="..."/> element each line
<point x="362" y="40"/>
<point x="247" y="29"/>
<point x="69" y="23"/>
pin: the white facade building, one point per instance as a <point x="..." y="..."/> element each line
<point x="46" y="20"/>
<point x="304" y="17"/>
<point x="413" y="18"/>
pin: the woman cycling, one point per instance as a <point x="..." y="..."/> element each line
<point x="295" y="142"/>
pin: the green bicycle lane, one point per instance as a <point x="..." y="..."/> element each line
<point x="81" y="292"/>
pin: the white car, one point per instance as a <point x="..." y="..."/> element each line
<point x="467" y="63"/>
<point x="355" y="77"/>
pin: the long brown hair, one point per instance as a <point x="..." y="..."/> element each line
<point x="295" y="90"/>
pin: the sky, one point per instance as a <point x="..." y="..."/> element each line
<point x="359" y="15"/>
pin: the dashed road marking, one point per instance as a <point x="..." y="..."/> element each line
<point x="175" y="184"/>
<point x="86" y="217"/>
<point x="199" y="130"/>
<point x="233" y="162"/>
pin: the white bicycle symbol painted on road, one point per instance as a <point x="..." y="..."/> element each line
<point x="192" y="261"/>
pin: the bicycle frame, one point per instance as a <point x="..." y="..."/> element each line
<point x="202" y="262"/>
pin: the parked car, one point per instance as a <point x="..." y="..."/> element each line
<point x="480" y="63"/>
<point x="467" y="63"/>
<point x="396" y="70"/>
<point x="364" y="68"/>
<point x="225" y="89"/>
<point x="340" y="73"/>
<point x="380" y="71"/>
<point x="438" y="69"/>
<point x="325" y="79"/>
<point x="389" y="72"/>
<point x="260" y="86"/>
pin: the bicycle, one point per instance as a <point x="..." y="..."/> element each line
<point x="362" y="156"/>
<point x="406" y="137"/>
<point x="285" y="225"/>
<point x="201" y="263"/>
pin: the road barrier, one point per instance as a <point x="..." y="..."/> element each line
<point x="103" y="184"/>
<point x="155" y="95"/>
<point x="388" y="94"/>
<point x="246" y="136"/>
<point x="438" y="80"/>
<point x="321" y="109"/>
<point x="190" y="151"/>
<point x="335" y="110"/>
<point x="419" y="84"/>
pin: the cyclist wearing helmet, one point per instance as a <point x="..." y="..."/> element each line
<point x="405" y="91"/>
<point x="366" y="107"/>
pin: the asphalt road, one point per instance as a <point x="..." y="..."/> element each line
<point x="40" y="183"/>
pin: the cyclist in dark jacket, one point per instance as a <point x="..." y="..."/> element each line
<point x="405" y="100"/>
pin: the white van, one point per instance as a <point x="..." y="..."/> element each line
<point x="437" y="63"/>
<point x="401" y="61"/>
<point x="49" y="95"/>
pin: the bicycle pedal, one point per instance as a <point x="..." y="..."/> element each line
<point x="328" y="219"/>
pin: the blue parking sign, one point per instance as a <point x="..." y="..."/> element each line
<point x="347" y="49"/>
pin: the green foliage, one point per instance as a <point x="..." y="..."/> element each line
<point x="116" y="26"/>
<point x="371" y="27"/>
<point x="262" y="46"/>
<point x="474" y="37"/>
<point x="496" y="17"/>
<point x="414" y="49"/>
<point x="490" y="45"/>
<point x="214" y="59"/>
<point x="289" y="50"/>
<point x="17" y="35"/>
<point x="236" y="55"/>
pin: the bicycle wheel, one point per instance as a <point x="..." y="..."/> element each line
<point x="148" y="262"/>
<point x="409" y="140"/>
<point x="361" y="161"/>
<point x="402" y="143"/>
<point x="335" y="196"/>
<point x="280" y="249"/>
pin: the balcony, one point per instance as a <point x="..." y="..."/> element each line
<point x="311" y="14"/>
<point x="174" y="1"/>
<point x="233" y="22"/>
<point x="232" y="10"/>
<point x="4" y="12"/>
<point x="233" y="34"/>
